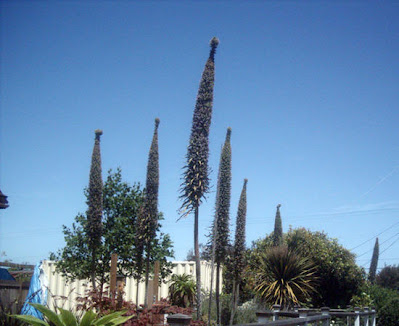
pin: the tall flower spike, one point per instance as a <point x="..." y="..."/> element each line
<point x="278" y="228"/>
<point x="196" y="175"/>
<point x="374" y="262"/>
<point x="239" y="244"/>
<point x="95" y="203"/>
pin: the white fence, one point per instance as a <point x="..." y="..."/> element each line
<point x="69" y="291"/>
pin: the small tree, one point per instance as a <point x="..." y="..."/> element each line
<point x="196" y="175"/>
<point x="278" y="229"/>
<point x="95" y="203"/>
<point x="121" y="204"/>
<point x="239" y="248"/>
<point x="374" y="262"/>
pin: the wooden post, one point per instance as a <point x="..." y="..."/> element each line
<point x="373" y="319"/>
<point x="276" y="310"/>
<point x="367" y="319"/>
<point x="303" y="313"/>
<point x="156" y="281"/>
<point x="150" y="294"/>
<point x="325" y="311"/>
<point x="357" y="316"/>
<point x="112" y="286"/>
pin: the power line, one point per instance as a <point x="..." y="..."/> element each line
<point x="387" y="229"/>
<point x="380" y="244"/>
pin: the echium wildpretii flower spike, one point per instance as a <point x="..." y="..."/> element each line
<point x="152" y="183"/>
<point x="374" y="262"/>
<point x="278" y="228"/>
<point x="222" y="214"/>
<point x="196" y="175"/>
<point x="95" y="203"/>
<point x="239" y="244"/>
<point x="95" y="196"/>
<point x="223" y="201"/>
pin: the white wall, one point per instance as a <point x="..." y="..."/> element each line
<point x="58" y="287"/>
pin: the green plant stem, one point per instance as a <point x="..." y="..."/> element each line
<point x="197" y="262"/>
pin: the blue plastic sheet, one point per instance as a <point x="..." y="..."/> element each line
<point x="37" y="292"/>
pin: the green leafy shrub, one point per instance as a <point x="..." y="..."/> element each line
<point x="339" y="277"/>
<point x="388" y="277"/>
<point x="388" y="315"/>
<point x="182" y="290"/>
<point x="67" y="318"/>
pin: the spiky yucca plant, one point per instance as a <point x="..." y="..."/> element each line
<point x="95" y="203"/>
<point x="374" y="262"/>
<point x="284" y="278"/>
<point x="278" y="228"/>
<point x="196" y="173"/>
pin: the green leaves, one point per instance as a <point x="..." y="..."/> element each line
<point x="182" y="290"/>
<point x="284" y="278"/>
<point x="30" y="320"/>
<point x="67" y="318"/>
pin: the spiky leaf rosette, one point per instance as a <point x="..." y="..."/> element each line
<point x="374" y="262"/>
<point x="95" y="196"/>
<point x="278" y="229"/>
<point x="239" y="243"/>
<point x="282" y="277"/>
<point x="222" y="214"/>
<point x="196" y="173"/>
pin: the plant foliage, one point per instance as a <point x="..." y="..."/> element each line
<point x="67" y="318"/>
<point x="121" y="208"/>
<point x="388" y="277"/>
<point x="182" y="290"/>
<point x="284" y="278"/>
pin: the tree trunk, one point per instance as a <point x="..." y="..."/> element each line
<point x="147" y="276"/>
<point x="234" y="301"/>
<point x="137" y="291"/>
<point x="217" y="293"/>
<point x="212" y="270"/>
<point x="197" y="262"/>
<point x="93" y="270"/>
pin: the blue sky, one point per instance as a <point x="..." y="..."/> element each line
<point x="310" y="90"/>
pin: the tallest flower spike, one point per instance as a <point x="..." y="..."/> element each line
<point x="196" y="175"/>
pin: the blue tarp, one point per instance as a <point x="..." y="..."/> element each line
<point x="37" y="292"/>
<point x="5" y="275"/>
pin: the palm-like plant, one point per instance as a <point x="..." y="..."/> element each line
<point x="182" y="290"/>
<point x="67" y="318"/>
<point x="284" y="278"/>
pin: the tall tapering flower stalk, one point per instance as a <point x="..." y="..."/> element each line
<point x="278" y="229"/>
<point x="374" y="262"/>
<point x="151" y="201"/>
<point x="95" y="203"/>
<point x="222" y="215"/>
<point x="239" y="248"/>
<point x="196" y="173"/>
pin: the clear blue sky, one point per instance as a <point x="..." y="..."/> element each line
<point x="311" y="91"/>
